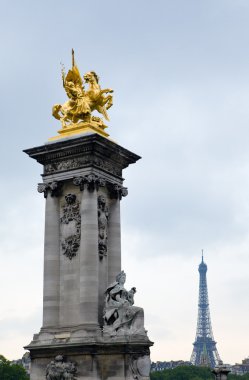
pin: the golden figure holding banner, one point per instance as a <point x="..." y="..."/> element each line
<point x="76" y="114"/>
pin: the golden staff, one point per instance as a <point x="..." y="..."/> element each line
<point x="72" y="58"/>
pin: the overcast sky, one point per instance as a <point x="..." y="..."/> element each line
<point x="180" y="72"/>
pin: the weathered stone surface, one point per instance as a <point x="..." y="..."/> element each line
<point x="83" y="187"/>
<point x="103" y="216"/>
<point x="108" y="359"/>
<point x="70" y="226"/>
<point x="82" y="152"/>
<point x="61" y="369"/>
<point x="121" y="317"/>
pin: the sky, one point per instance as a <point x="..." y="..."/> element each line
<point x="180" y="74"/>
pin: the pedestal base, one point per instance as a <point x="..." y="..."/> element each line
<point x="119" y="358"/>
<point x="82" y="127"/>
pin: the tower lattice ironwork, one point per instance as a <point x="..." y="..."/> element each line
<point x="204" y="352"/>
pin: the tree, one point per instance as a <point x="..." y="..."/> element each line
<point x="183" y="373"/>
<point x="238" y="377"/>
<point x="191" y="373"/>
<point x="10" y="371"/>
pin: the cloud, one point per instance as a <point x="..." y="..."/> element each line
<point x="179" y="71"/>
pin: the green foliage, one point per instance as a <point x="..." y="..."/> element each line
<point x="183" y="373"/>
<point x="10" y="371"/>
<point x="191" y="373"/>
<point x="236" y="377"/>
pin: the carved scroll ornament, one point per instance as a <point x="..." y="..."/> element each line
<point x="117" y="191"/>
<point x="53" y="187"/>
<point x="91" y="181"/>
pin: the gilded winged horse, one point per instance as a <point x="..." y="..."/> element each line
<point x="82" y="102"/>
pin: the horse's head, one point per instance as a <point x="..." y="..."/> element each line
<point x="91" y="77"/>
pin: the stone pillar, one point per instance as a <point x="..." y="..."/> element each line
<point x="114" y="241"/>
<point x="51" y="287"/>
<point x="89" y="258"/>
<point x="221" y="373"/>
<point x="82" y="257"/>
<point x="103" y="283"/>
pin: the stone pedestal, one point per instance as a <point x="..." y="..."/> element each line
<point x="221" y="372"/>
<point x="83" y="186"/>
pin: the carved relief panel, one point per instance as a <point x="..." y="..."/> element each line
<point x="70" y="226"/>
<point x="103" y="215"/>
<point x="140" y="366"/>
<point x="61" y="369"/>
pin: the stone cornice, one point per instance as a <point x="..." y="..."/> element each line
<point x="135" y="346"/>
<point x="84" y="150"/>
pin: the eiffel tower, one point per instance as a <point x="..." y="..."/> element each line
<point x="204" y="352"/>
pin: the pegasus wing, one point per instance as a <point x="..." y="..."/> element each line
<point x="74" y="76"/>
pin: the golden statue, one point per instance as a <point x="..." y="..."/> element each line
<point x="76" y="114"/>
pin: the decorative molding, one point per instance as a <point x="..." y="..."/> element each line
<point x="79" y="162"/>
<point x="103" y="215"/>
<point x="61" y="369"/>
<point x="117" y="191"/>
<point x="54" y="188"/>
<point x="93" y="145"/>
<point x="107" y="166"/>
<point x="70" y="226"/>
<point x="69" y="164"/>
<point x="92" y="182"/>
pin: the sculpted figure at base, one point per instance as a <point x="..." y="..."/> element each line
<point x="121" y="317"/>
<point x="140" y="366"/>
<point x="82" y="102"/>
<point x="58" y="369"/>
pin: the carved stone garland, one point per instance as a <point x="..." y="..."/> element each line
<point x="61" y="369"/>
<point x="103" y="215"/>
<point x="70" y="226"/>
<point x="74" y="163"/>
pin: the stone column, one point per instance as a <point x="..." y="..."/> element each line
<point x="114" y="236"/>
<point x="103" y="283"/>
<point x="114" y="241"/>
<point x="51" y="287"/>
<point x="89" y="257"/>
